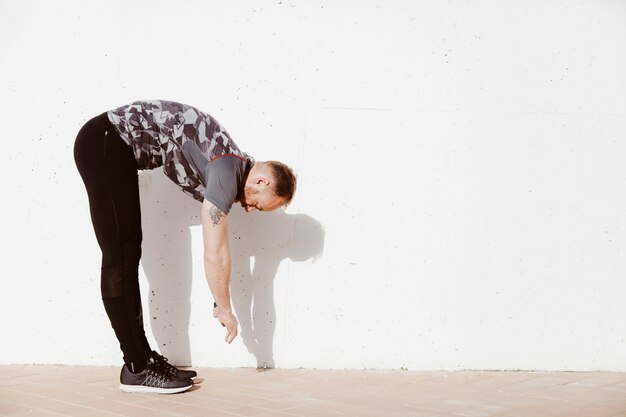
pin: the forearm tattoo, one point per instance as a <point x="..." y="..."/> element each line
<point x="215" y="215"/>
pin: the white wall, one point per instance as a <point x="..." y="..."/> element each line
<point x="461" y="172"/>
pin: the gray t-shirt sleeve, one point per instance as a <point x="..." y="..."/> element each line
<point x="221" y="184"/>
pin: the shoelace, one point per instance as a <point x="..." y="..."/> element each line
<point x="163" y="363"/>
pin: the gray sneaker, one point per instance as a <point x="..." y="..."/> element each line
<point x="153" y="379"/>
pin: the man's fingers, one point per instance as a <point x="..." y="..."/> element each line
<point x="230" y="336"/>
<point x="229" y="321"/>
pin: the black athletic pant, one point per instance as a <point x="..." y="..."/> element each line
<point x="109" y="171"/>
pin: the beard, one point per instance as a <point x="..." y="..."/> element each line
<point x="245" y="194"/>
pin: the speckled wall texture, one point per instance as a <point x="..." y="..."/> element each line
<point x="462" y="185"/>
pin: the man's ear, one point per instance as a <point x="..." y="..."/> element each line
<point x="263" y="181"/>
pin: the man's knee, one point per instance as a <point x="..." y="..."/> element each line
<point x="111" y="281"/>
<point x="112" y="277"/>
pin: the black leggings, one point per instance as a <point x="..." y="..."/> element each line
<point x="109" y="171"/>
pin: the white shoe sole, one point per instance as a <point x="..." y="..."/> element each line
<point x="152" y="390"/>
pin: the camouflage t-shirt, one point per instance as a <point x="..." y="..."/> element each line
<point x="185" y="142"/>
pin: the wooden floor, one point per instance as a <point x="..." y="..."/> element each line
<point x="93" y="391"/>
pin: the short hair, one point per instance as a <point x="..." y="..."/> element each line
<point x="284" y="180"/>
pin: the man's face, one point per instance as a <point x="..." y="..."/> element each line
<point x="262" y="199"/>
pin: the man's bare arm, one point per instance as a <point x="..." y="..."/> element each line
<point x="217" y="264"/>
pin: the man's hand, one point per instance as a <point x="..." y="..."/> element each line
<point x="228" y="320"/>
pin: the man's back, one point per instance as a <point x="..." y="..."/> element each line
<point x="178" y="137"/>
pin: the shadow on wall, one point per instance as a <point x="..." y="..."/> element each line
<point x="166" y="215"/>
<point x="258" y="244"/>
